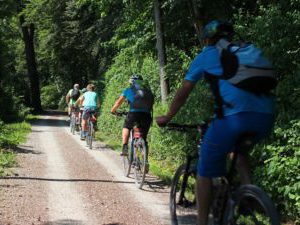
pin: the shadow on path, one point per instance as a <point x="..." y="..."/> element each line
<point x="54" y="113"/>
<point x="50" y="122"/>
<point x="65" y="222"/>
<point x="74" y="222"/>
<point x="65" y="180"/>
<point x="20" y="149"/>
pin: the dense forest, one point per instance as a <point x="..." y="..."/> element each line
<point x="48" y="45"/>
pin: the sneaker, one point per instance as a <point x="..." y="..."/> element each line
<point x="82" y="135"/>
<point x="124" y="150"/>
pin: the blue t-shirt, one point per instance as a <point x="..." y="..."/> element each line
<point x="242" y="101"/>
<point x="128" y="93"/>
<point x="90" y="100"/>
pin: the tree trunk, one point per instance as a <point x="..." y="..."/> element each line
<point x="161" y="50"/>
<point x="197" y="18"/>
<point x="28" y="37"/>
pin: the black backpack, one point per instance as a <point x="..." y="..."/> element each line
<point x="75" y="94"/>
<point x="143" y="97"/>
<point x="244" y="67"/>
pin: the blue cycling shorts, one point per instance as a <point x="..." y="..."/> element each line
<point x="222" y="135"/>
<point x="87" y="111"/>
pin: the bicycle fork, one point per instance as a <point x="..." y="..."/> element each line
<point x="182" y="199"/>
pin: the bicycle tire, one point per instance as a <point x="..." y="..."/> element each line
<point x="139" y="160"/>
<point x="72" y="124"/>
<point x="183" y="209"/>
<point x="87" y="139"/>
<point x="127" y="159"/>
<point x="126" y="165"/>
<point x="91" y="127"/>
<point x="251" y="206"/>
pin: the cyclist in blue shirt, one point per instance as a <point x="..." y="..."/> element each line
<point x="246" y="112"/>
<point x="140" y="115"/>
<point x="90" y="102"/>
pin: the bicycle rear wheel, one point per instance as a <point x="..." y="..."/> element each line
<point x="252" y="207"/>
<point x="72" y="123"/>
<point x="140" y="160"/>
<point x="90" y="134"/>
<point x="183" y="207"/>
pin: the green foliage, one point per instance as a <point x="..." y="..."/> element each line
<point x="50" y="97"/>
<point x="7" y="159"/>
<point x="13" y="134"/>
<point x="281" y="169"/>
<point x="10" y="136"/>
<point x="12" y="107"/>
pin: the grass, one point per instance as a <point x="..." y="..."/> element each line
<point x="10" y="136"/>
<point x="115" y="144"/>
<point x="7" y="160"/>
<point x="13" y="134"/>
<point x="31" y="117"/>
<point x="163" y="170"/>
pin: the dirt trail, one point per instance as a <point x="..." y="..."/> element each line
<point x="60" y="182"/>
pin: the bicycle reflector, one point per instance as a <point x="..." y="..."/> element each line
<point x="93" y="119"/>
<point x="137" y="132"/>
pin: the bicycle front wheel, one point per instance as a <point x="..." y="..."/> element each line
<point x="183" y="207"/>
<point x="126" y="164"/>
<point x="252" y="207"/>
<point x="90" y="135"/>
<point x="140" y="161"/>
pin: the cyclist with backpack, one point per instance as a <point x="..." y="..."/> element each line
<point x="141" y="100"/>
<point x="72" y="96"/>
<point x="241" y="80"/>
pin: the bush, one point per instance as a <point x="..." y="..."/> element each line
<point x="50" y="97"/>
<point x="12" y="107"/>
<point x="281" y="169"/>
<point x="13" y="134"/>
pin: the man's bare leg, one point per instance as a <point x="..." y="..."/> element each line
<point x="125" y="136"/>
<point x="204" y="186"/>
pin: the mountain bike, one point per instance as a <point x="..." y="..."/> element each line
<point x="137" y="155"/>
<point x="74" y="120"/>
<point x="91" y="123"/>
<point x="232" y="204"/>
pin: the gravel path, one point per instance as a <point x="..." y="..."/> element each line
<point x="59" y="181"/>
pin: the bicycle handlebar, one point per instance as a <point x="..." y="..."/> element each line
<point x="120" y="113"/>
<point x="186" y="127"/>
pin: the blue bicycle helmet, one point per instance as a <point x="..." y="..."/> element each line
<point x="134" y="78"/>
<point x="217" y="28"/>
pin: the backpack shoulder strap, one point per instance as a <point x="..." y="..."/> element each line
<point x="223" y="44"/>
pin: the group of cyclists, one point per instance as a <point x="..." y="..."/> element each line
<point x="82" y="103"/>
<point x="242" y="112"/>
